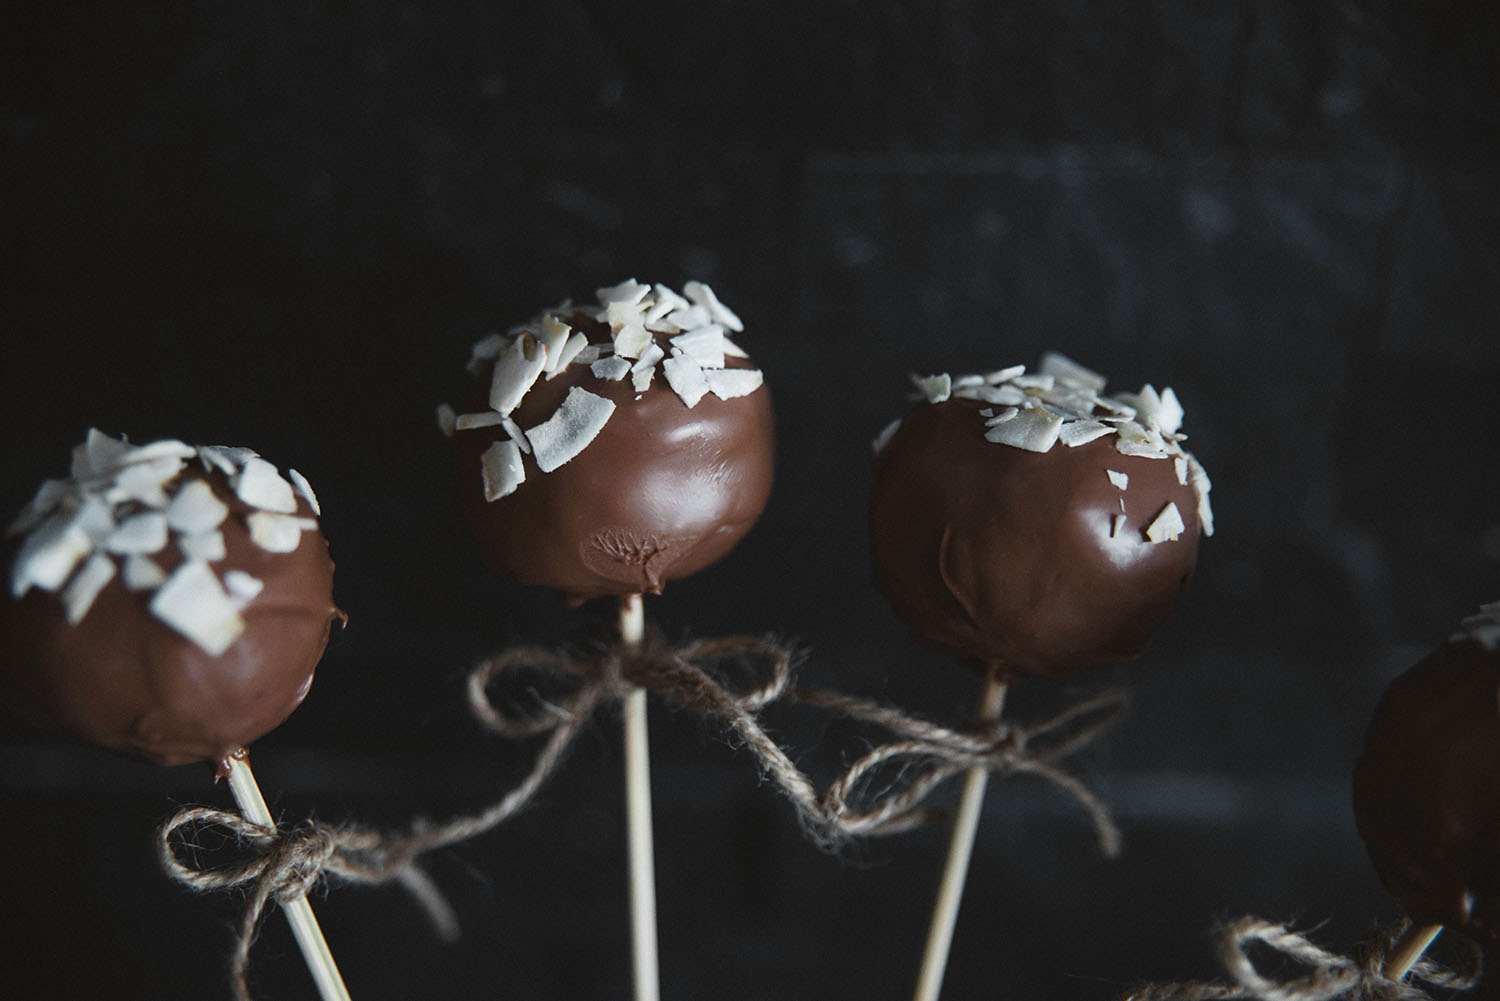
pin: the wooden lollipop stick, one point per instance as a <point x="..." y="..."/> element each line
<point x="960" y="847"/>
<point x="1409" y="949"/>
<point x="638" y="817"/>
<point x="299" y="912"/>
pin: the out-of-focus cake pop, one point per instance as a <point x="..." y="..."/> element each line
<point x="1427" y="787"/>
<point x="1032" y="524"/>
<point x="608" y="449"/>
<point x="167" y="601"/>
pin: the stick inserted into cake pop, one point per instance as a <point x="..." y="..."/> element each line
<point x="1427" y="790"/>
<point x="603" y="451"/>
<point x="171" y="602"/>
<point x="1027" y="524"/>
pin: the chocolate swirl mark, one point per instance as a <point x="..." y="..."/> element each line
<point x="1329" y="976"/>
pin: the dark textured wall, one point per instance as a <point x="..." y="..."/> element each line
<point x="282" y="224"/>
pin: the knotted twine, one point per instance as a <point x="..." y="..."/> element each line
<point x="1330" y="977"/>
<point x="286" y="863"/>
<point x="930" y="753"/>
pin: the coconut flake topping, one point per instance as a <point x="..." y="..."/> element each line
<point x="1064" y="402"/>
<point x="1483" y="627"/>
<point x="126" y="503"/>
<point x="692" y="361"/>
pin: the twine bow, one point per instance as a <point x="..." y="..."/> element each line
<point x="1329" y="976"/>
<point x="284" y="864"/>
<point x="933" y="753"/>
<point x="672" y="672"/>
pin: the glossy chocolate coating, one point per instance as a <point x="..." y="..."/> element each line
<point x="661" y="493"/>
<point x="1005" y="558"/>
<point x="1427" y="789"/>
<point x="125" y="680"/>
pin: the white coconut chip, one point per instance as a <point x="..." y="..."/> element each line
<point x="1065" y="369"/>
<point x="85" y="586"/>
<point x="50" y="553"/>
<point x="577" y="422"/>
<point x="96" y="518"/>
<point x="502" y="469"/>
<point x="701" y="295"/>
<point x="690" y="318"/>
<point x="1075" y="433"/>
<point x="1116" y="522"/>
<point x="611" y="369"/>
<point x="277" y="533"/>
<point x="1483" y="628"/>
<point x="207" y="547"/>
<point x="632" y="339"/>
<point x="967" y="382"/>
<point x="194" y="603"/>
<point x="646" y="362"/>
<point x="704" y="345"/>
<point x="733" y="350"/>
<point x="886" y="434"/>
<point x="1038" y="381"/>
<point x="195" y="509"/>
<point x="553" y="335"/>
<point x="1147" y="404"/>
<point x="1001" y="375"/>
<point x="516" y="434"/>
<point x="591" y="353"/>
<point x="98" y="453"/>
<point x="936" y="388"/>
<point x="305" y="491"/>
<point x="1004" y="396"/>
<point x="1198" y="477"/>
<point x="570" y="351"/>
<point x="242" y="587"/>
<point x="473" y="422"/>
<point x="259" y="484"/>
<point x="667" y="299"/>
<point x="42" y="503"/>
<point x="1118" y="408"/>
<point x="1009" y="413"/>
<point x="1167" y="525"/>
<point x="142" y="574"/>
<point x="143" y="481"/>
<point x="732" y="383"/>
<point x="516" y="372"/>
<point x="1169" y="416"/>
<point x="686" y="378"/>
<point x="1034" y="429"/>
<point x="1137" y="440"/>
<point x="218" y="457"/>
<point x="628" y="292"/>
<point x="640" y="378"/>
<point x="1119" y="479"/>
<point x="141" y="533"/>
<point x="620" y="315"/>
<point x="447" y="419"/>
<point x="1073" y="400"/>
<point x="663" y="301"/>
<point x="1180" y="466"/>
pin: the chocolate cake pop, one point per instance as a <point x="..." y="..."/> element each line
<point x="1031" y="524"/>
<point x="167" y="601"/>
<point x="1427" y="787"/>
<point x="606" y="450"/>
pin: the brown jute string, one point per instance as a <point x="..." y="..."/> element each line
<point x="675" y="674"/>
<point x="286" y="863"/>
<point x="930" y="753"/>
<point x="1329" y="976"/>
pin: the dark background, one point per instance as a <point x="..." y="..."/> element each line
<point x="282" y="225"/>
